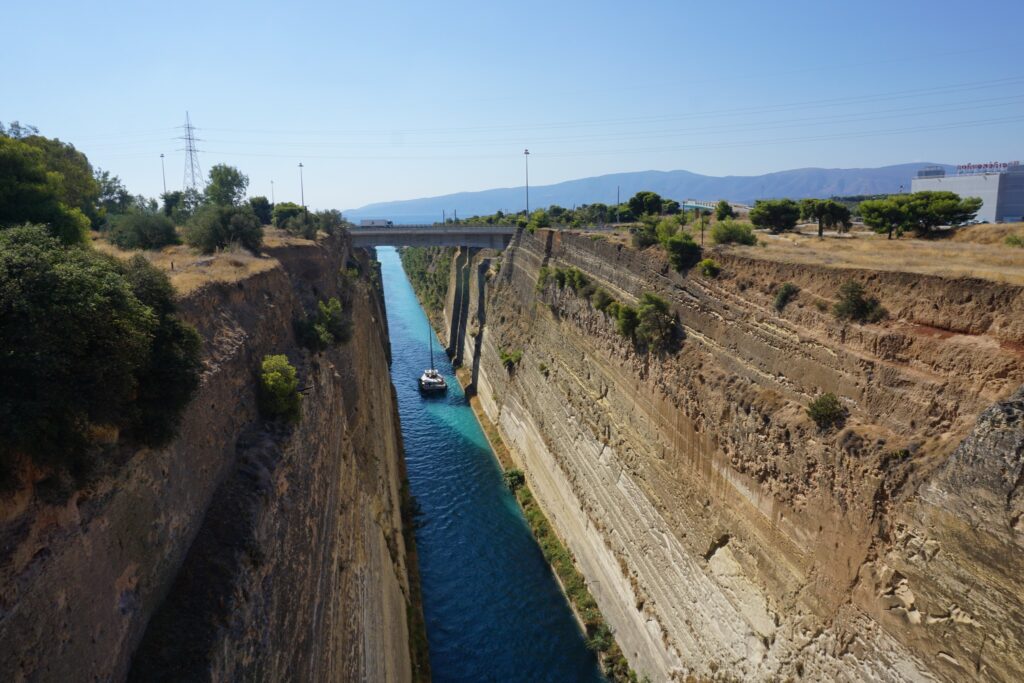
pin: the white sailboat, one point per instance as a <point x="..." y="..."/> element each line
<point x="431" y="380"/>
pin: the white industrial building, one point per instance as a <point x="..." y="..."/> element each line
<point x="1000" y="186"/>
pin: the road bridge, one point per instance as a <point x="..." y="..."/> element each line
<point x="480" y="236"/>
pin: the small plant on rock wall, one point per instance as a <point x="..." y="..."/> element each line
<point x="826" y="411"/>
<point x="854" y="304"/>
<point x="278" y="394"/>
<point x="784" y="294"/>
<point x="601" y="300"/>
<point x="709" y="268"/>
<point x="326" y="328"/>
<point x="514" y="479"/>
<point x="510" y="359"/>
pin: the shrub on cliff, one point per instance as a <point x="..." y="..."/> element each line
<point x="784" y="294"/>
<point x="326" y="328"/>
<point x="601" y="300"/>
<point x="215" y="227"/>
<point x="656" y="325"/>
<point x="682" y="251"/>
<point x="733" y="232"/>
<point x="626" y="320"/>
<point x="514" y="479"/>
<point x="142" y="231"/>
<point x="88" y="343"/>
<point x="510" y="359"/>
<point x="709" y="268"/>
<point x="854" y="304"/>
<point x="278" y="393"/>
<point x="826" y="411"/>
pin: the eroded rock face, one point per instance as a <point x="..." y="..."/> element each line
<point x="724" y="534"/>
<point x="238" y="552"/>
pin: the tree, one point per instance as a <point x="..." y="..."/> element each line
<point x="87" y="340"/>
<point x="215" y="227"/>
<point x="777" y="215"/>
<point x="30" y="193"/>
<point x="76" y="186"/>
<point x="227" y="186"/>
<point x="279" y="389"/>
<point x="114" y="197"/>
<point x="645" y="202"/>
<point x="682" y="251"/>
<point x="670" y="207"/>
<point x="142" y="231"/>
<point x="283" y="211"/>
<point x="655" y="323"/>
<point x="330" y="221"/>
<point x="884" y="215"/>
<point x="921" y="212"/>
<point x="724" y="210"/>
<point x="263" y="209"/>
<point x="827" y="212"/>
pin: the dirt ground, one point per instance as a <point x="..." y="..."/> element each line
<point x="189" y="269"/>
<point x="976" y="251"/>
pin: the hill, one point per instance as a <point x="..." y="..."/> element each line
<point x="796" y="183"/>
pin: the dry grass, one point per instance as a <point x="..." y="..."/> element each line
<point x="978" y="251"/>
<point x="189" y="270"/>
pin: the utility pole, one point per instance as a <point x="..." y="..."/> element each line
<point x="163" y="172"/>
<point x="272" y="192"/>
<point x="617" y="201"/>
<point x="526" y="155"/>
<point x="302" y="190"/>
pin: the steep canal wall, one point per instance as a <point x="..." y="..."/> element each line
<point x="242" y="551"/>
<point x="720" y="530"/>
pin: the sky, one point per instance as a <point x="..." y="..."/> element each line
<point x="395" y="100"/>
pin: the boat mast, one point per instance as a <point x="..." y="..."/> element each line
<point x="430" y="338"/>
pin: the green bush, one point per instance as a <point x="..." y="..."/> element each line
<point x="514" y="479"/>
<point x="733" y="232"/>
<point x="826" y="411"/>
<point x="278" y="394"/>
<point x="285" y="211"/>
<point x="142" y="231"/>
<point x="709" y="268"/>
<point x="683" y="252"/>
<point x="601" y="300"/>
<point x="655" y="326"/>
<point x="784" y="294"/>
<point x="854" y="304"/>
<point x="86" y="340"/>
<point x="626" y="320"/>
<point x="510" y="359"/>
<point x="1014" y="240"/>
<point x="327" y="327"/>
<point x="215" y="227"/>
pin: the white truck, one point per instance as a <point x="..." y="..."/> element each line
<point x="375" y="223"/>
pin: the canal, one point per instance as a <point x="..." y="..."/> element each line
<point x="493" y="609"/>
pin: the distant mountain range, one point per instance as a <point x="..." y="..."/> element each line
<point x="797" y="183"/>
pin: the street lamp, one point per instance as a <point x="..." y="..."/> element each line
<point x="163" y="172"/>
<point x="302" y="189"/>
<point x="526" y="155"/>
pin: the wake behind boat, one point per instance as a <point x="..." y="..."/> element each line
<point x="431" y="381"/>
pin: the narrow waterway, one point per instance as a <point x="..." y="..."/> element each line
<point x="493" y="609"/>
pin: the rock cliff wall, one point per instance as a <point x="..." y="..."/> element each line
<point x="241" y="551"/>
<point x="723" y="534"/>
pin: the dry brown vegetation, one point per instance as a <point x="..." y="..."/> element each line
<point x="189" y="270"/>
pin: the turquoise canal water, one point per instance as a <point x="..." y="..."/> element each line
<point x="493" y="609"/>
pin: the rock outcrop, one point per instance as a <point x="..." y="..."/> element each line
<point x="242" y="551"/>
<point x="723" y="534"/>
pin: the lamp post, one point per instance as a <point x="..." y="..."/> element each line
<point x="526" y="155"/>
<point x="163" y="172"/>
<point x="302" y="189"/>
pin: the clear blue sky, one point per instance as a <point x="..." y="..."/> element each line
<point x="391" y="100"/>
